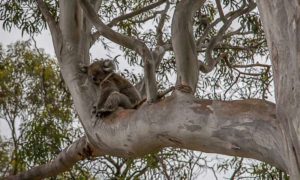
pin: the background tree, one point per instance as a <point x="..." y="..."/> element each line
<point x="185" y="122"/>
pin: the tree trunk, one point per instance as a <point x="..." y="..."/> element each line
<point x="281" y="22"/>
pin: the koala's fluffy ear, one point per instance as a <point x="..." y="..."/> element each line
<point x="83" y="68"/>
<point x="109" y="66"/>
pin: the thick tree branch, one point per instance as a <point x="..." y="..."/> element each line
<point x="77" y="151"/>
<point x="183" y="43"/>
<point x="53" y="26"/>
<point x="246" y="128"/>
<point x="160" y="49"/>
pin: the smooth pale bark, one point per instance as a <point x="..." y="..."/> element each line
<point x="82" y="93"/>
<point x="183" y="43"/>
<point x="246" y="128"/>
<point x="281" y="21"/>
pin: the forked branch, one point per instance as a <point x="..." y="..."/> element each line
<point x="132" y="14"/>
<point x="128" y="42"/>
<point x="210" y="60"/>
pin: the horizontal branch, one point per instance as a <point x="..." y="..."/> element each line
<point x="246" y="128"/>
<point x="250" y="73"/>
<point x="236" y="66"/>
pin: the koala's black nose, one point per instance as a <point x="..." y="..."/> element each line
<point x="94" y="78"/>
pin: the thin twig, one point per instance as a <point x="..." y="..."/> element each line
<point x="210" y="61"/>
<point x="135" y="13"/>
<point x="118" y="19"/>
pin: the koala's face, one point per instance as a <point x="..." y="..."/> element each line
<point x="98" y="70"/>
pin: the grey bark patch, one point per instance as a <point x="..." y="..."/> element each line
<point x="193" y="128"/>
<point x="274" y="116"/>
<point x="191" y="121"/>
<point x="129" y="138"/>
<point x="100" y="142"/>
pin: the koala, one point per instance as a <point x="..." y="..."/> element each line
<point x="113" y="90"/>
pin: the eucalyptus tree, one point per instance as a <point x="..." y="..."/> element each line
<point x="37" y="109"/>
<point x="191" y="38"/>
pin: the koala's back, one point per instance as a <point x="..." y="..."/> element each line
<point x="125" y="87"/>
